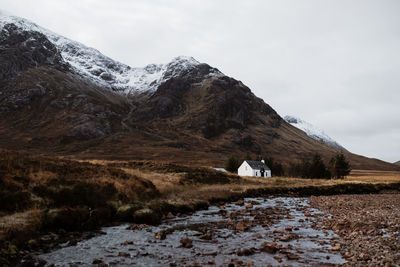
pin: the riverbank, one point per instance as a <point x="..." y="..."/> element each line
<point x="368" y="227"/>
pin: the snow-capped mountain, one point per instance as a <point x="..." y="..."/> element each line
<point x="59" y="96"/>
<point x="90" y="63"/>
<point x="313" y="131"/>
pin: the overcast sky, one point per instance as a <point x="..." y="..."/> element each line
<point x="335" y="64"/>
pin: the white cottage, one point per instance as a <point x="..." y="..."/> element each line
<point x="254" y="168"/>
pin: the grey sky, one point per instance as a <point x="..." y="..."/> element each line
<point x="333" y="63"/>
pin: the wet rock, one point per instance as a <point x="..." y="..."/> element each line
<point x="67" y="218"/>
<point x="186" y="242"/>
<point x="269" y="247"/>
<point x="206" y="236"/>
<point x="124" y="254"/>
<point x="241" y="226"/>
<point x="286" y="238"/>
<point x="170" y="215"/>
<point x="240" y="202"/>
<point x="289" y="228"/>
<point x="278" y="259"/>
<point x="336" y="247"/>
<point x="246" y="251"/>
<point x="292" y="257"/>
<point x="45" y="238"/>
<point x="98" y="261"/>
<point x="127" y="242"/>
<point x="135" y="227"/>
<point x="32" y="243"/>
<point x="125" y="212"/>
<point x="146" y="216"/>
<point x="161" y="235"/>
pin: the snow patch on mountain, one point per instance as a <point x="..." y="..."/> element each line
<point x="92" y="64"/>
<point x="313" y="131"/>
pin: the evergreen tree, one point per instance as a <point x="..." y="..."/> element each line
<point x="276" y="167"/>
<point x="317" y="168"/>
<point x="339" y="166"/>
<point x="305" y="167"/>
<point x="294" y="170"/>
<point x="232" y="164"/>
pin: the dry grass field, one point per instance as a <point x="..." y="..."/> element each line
<point x="374" y="176"/>
<point x="168" y="183"/>
<point x="39" y="194"/>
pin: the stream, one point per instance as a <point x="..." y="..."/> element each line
<point x="253" y="232"/>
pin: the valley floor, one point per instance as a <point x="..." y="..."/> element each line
<point x="40" y="195"/>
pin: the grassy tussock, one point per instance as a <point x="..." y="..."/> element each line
<point x="33" y="181"/>
<point x="20" y="225"/>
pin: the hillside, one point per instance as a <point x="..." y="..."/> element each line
<point x="60" y="97"/>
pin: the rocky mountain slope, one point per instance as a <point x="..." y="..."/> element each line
<point x="397" y="163"/>
<point x="313" y="131"/>
<point x="60" y="97"/>
<point x="102" y="70"/>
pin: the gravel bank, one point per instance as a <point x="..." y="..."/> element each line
<point x="368" y="227"/>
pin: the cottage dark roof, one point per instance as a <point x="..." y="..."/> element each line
<point x="257" y="164"/>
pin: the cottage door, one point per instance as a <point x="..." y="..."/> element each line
<point x="262" y="171"/>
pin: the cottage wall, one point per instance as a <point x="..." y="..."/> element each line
<point x="245" y="170"/>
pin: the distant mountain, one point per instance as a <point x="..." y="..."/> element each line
<point x="58" y="96"/>
<point x="397" y="163"/>
<point x="313" y="132"/>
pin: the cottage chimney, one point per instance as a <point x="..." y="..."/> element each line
<point x="263" y="161"/>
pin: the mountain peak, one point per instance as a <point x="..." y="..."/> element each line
<point x="313" y="131"/>
<point x="185" y="59"/>
<point x="100" y="69"/>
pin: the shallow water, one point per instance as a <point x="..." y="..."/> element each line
<point x="266" y="221"/>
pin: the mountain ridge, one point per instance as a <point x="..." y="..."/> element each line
<point x="92" y="64"/>
<point x="196" y="115"/>
<point x="313" y="131"/>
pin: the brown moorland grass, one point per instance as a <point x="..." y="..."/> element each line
<point x="372" y="176"/>
<point x="31" y="185"/>
<point x="170" y="187"/>
<point x="167" y="182"/>
<point x="36" y="185"/>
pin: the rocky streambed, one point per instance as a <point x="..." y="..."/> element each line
<point x="368" y="226"/>
<point x="249" y="232"/>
